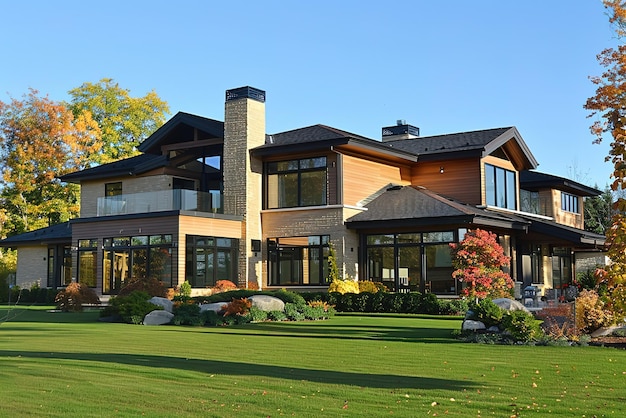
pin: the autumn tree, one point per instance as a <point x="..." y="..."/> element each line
<point x="479" y="262"/>
<point x="125" y="121"/>
<point x="39" y="140"/>
<point x="608" y="105"/>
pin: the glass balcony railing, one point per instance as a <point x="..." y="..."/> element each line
<point x="189" y="200"/>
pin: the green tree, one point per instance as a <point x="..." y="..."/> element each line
<point x="125" y="121"/>
<point x="598" y="212"/>
<point x="40" y="140"/>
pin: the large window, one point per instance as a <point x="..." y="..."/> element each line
<point x="296" y="183"/>
<point x="87" y="258"/>
<point x="59" y="266"/>
<point x="141" y="257"/>
<point x="298" y="260"/>
<point x="210" y="259"/>
<point x="569" y="202"/>
<point x="500" y="187"/>
<point x="412" y="262"/>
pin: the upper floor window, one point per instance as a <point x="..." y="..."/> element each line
<point x="113" y="189"/>
<point x="529" y="201"/>
<point x="500" y="187"/>
<point x="296" y="183"/>
<point x="569" y="203"/>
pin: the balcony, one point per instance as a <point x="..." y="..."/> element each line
<point x="165" y="200"/>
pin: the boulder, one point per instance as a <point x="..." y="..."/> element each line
<point x="158" y="317"/>
<point x="510" y="304"/>
<point x="471" y="325"/>
<point x="166" y="304"/>
<point x="267" y="303"/>
<point x="215" y="307"/>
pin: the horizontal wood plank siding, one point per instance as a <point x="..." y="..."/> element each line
<point x="460" y="180"/>
<point x="210" y="227"/>
<point x="362" y="178"/>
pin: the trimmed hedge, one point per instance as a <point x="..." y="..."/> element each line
<point x="380" y="302"/>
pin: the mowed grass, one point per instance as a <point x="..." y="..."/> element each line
<point x="60" y="364"/>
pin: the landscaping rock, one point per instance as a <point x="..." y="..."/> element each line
<point x="215" y="307"/>
<point x="510" y="304"/>
<point x="158" y="317"/>
<point x="471" y="325"/>
<point x="163" y="302"/>
<point x="267" y="303"/>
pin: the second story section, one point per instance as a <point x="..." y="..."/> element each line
<point x="556" y="197"/>
<point x="180" y="168"/>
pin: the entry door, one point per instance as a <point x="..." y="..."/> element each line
<point x="409" y="269"/>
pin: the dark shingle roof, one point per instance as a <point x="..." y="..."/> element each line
<point x="56" y="233"/>
<point x="133" y="165"/>
<point x="416" y="205"/>
<point x="462" y="141"/>
<point x="309" y="134"/>
<point x="534" y="180"/>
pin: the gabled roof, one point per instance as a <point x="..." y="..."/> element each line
<point x="128" y="166"/>
<point x="52" y="234"/>
<point x="180" y="124"/>
<point x="401" y="206"/>
<point x="474" y="143"/>
<point x="534" y="180"/>
<point x="317" y="137"/>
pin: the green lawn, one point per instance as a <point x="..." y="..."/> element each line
<point x="59" y="364"/>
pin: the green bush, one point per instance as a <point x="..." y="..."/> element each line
<point x="276" y="316"/>
<point x="522" y="326"/>
<point x="257" y="315"/>
<point x="293" y="312"/>
<point x="187" y="314"/>
<point x="135" y="304"/>
<point x="486" y="312"/>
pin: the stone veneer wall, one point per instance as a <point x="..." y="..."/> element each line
<point x="244" y="129"/>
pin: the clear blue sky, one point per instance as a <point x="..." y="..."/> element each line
<point x="444" y="66"/>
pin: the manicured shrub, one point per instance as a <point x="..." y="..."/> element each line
<point x="276" y="316"/>
<point x="522" y="326"/>
<point x="223" y="286"/>
<point x="590" y="312"/>
<point x="453" y="307"/>
<point x="184" y="289"/>
<point x="487" y="312"/>
<point x="392" y="302"/>
<point x="293" y="312"/>
<point x="74" y="296"/>
<point x="343" y="286"/>
<point x="135" y="304"/>
<point x="238" y="307"/>
<point x="187" y="314"/>
<point x="258" y="315"/>
<point x="371" y="287"/>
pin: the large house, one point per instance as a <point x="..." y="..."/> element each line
<point x="208" y="200"/>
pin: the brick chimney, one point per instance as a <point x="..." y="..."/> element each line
<point x="244" y="129"/>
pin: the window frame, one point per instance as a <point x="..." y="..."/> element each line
<point x="504" y="187"/>
<point x="570" y="203"/>
<point x="300" y="169"/>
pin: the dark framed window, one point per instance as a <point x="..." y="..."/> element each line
<point x="569" y="202"/>
<point x="140" y="257"/>
<point x="113" y="189"/>
<point x="87" y="261"/>
<point x="500" y="187"/>
<point x="296" y="183"/>
<point x="412" y="261"/>
<point x="59" y="266"/>
<point x="299" y="261"/>
<point x="210" y="259"/>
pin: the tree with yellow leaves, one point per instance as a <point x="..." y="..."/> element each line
<point x="609" y="106"/>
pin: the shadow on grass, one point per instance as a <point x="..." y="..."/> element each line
<point x="382" y="381"/>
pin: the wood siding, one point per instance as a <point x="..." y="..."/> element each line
<point x="461" y="179"/>
<point x="362" y="178"/>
